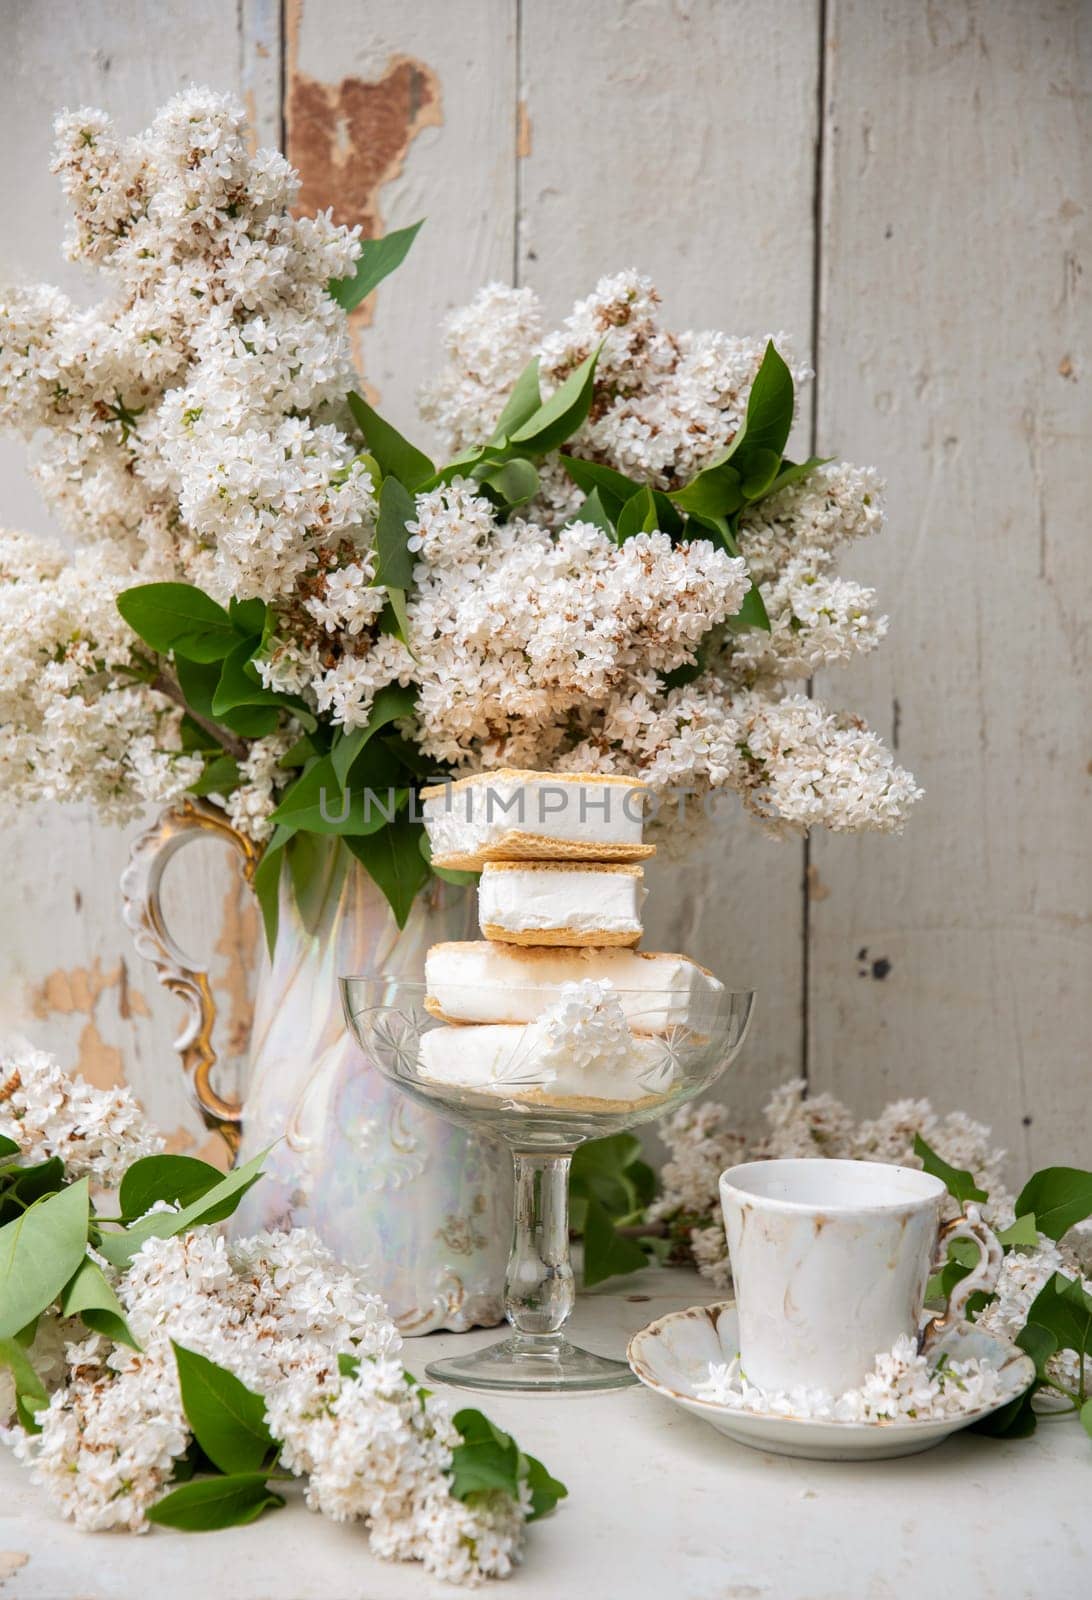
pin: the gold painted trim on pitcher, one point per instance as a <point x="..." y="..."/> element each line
<point x="143" y="913"/>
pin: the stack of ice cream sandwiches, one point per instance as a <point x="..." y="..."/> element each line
<point x="554" y="1005"/>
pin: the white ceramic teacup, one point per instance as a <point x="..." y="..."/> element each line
<point x="830" y="1260"/>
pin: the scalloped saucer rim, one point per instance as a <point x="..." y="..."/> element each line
<point x="701" y="1334"/>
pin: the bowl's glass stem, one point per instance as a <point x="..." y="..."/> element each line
<point x="539" y="1297"/>
<point x="539" y="1290"/>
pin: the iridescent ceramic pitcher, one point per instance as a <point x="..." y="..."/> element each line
<point x="424" y="1204"/>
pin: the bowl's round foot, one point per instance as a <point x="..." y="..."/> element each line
<point x="544" y="1364"/>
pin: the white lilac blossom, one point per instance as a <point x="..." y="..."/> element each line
<point x="192" y="426"/>
<point x="97" y="1133"/>
<point x="903" y="1386"/>
<point x="702" y="1143"/>
<point x="77" y="720"/>
<point x="585" y="1028"/>
<point x="276" y="1310"/>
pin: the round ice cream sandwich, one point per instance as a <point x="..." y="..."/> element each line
<point x="561" y="902"/>
<point x="509" y="815"/>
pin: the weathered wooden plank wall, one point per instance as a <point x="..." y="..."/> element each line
<point x="938" y="149"/>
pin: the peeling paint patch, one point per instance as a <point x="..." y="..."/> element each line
<point x="11" y="1561"/>
<point x="523" y="131"/>
<point x="348" y="139"/>
<point x="99" y="1063"/>
<point x="817" y="889"/>
<point x="77" y="991"/>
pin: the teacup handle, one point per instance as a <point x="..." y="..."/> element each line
<point x="982" y="1278"/>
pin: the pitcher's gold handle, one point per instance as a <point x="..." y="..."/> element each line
<point x="143" y="912"/>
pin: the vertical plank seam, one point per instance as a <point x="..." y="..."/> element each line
<point x="816" y="307"/>
<point x="282" y="75"/>
<point x="517" y="161"/>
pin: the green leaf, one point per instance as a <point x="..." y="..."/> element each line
<point x="614" y="488"/>
<point x="560" y="415"/>
<point x="761" y="472"/>
<point x="769" y="411"/>
<point x="960" y="1183"/>
<point x="712" y="494"/>
<point x="30" y="1392"/>
<point x="1016" y="1420"/>
<point x="178" y="617"/>
<point x="611" y="1171"/>
<point x="21" y="1186"/>
<point x="394" y="618"/>
<point x="487" y="1459"/>
<point x="638" y="515"/>
<point x="8" y="1147"/>
<point x="546" y="1491"/>
<point x="39" y="1252"/>
<point x="251" y="617"/>
<point x="396" y="508"/>
<point x="221" y="776"/>
<point x="348" y="1365"/>
<point x="514" y="482"/>
<point x="490" y="1459"/>
<point x="308" y="856"/>
<point x="266" y="884"/>
<point x="1063" y="1309"/>
<point x="1024" y="1231"/>
<point x="319" y="803"/>
<point x="199" y="682"/>
<point x="227" y="1418"/>
<point x="606" y="1253"/>
<point x="208" y="1503"/>
<point x="1060" y="1197"/>
<point x="795" y="472"/>
<point x="179" y="1180"/>
<point x="1086" y="1417"/>
<point x="395" y="455"/>
<point x="389" y="704"/>
<point x="521" y="405"/>
<point x="120" y="1248"/>
<point x="239" y="683"/>
<point x="594" y="511"/>
<point x="462" y="466"/>
<point x="377" y="260"/>
<point x="88" y="1295"/>
<point x="392" y="858"/>
<point x="1039" y="1344"/>
<point x="301" y="752"/>
<point x="752" y="613"/>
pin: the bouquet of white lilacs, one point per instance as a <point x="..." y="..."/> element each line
<point x="1043" y="1297"/>
<point x="618" y="569"/>
<point x="153" y="1373"/>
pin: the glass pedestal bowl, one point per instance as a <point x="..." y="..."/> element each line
<point x="574" y="1072"/>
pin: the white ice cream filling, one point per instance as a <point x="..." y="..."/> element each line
<point x="581" y="899"/>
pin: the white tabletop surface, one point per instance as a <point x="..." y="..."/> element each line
<point x="659" y="1506"/>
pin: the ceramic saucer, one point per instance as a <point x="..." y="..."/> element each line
<point x="672" y="1356"/>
